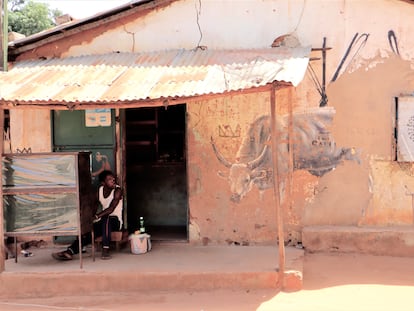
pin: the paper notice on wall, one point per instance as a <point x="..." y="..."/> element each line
<point x="97" y="117"/>
<point x="405" y="129"/>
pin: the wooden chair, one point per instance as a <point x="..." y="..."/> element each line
<point x="120" y="238"/>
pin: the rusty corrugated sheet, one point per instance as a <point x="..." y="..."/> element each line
<point x="126" y="77"/>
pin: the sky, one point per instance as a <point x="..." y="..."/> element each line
<point x="82" y="8"/>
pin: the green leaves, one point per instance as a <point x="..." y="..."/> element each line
<point x="28" y="17"/>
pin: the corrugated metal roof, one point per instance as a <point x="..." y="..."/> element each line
<point x="131" y="77"/>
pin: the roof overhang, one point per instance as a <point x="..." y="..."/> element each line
<point x="121" y="80"/>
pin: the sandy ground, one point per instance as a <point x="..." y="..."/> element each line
<point x="331" y="282"/>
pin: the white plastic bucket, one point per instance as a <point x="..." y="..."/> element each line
<point x="140" y="243"/>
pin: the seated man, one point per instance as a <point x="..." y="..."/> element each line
<point x="106" y="221"/>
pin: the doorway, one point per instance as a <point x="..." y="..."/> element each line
<point x="156" y="172"/>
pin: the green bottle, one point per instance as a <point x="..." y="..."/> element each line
<point x="141" y="225"/>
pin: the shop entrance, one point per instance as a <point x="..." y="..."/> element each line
<point x="156" y="172"/>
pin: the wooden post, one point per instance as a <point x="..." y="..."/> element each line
<point x="2" y="245"/>
<point x="276" y="184"/>
<point x="3" y="32"/>
<point x="289" y="179"/>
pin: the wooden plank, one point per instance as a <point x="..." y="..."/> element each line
<point x="79" y="231"/>
<point x="43" y="233"/>
<point x="38" y="190"/>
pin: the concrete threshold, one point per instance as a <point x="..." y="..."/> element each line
<point x="170" y="266"/>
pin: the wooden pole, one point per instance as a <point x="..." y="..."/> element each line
<point x="5" y="33"/>
<point x="276" y="184"/>
<point x="3" y="19"/>
<point x="2" y="31"/>
<point x="2" y="245"/>
<point x="289" y="180"/>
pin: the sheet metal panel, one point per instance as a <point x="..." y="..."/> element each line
<point x="124" y="77"/>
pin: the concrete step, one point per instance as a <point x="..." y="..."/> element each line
<point x="384" y="241"/>
<point x="166" y="267"/>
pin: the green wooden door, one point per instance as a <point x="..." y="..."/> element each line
<point x="87" y="130"/>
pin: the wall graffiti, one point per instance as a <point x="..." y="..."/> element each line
<point x="314" y="150"/>
<point x="392" y="40"/>
<point x="24" y="150"/>
<point x="357" y="43"/>
<point x="228" y="131"/>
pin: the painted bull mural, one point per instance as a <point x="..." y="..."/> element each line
<point x="314" y="150"/>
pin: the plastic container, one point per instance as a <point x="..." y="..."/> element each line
<point x="140" y="243"/>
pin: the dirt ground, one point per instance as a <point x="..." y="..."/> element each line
<point x="332" y="282"/>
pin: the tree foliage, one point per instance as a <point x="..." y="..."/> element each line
<point x="28" y="17"/>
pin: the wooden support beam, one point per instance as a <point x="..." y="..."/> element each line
<point x="159" y="102"/>
<point x="2" y="244"/>
<point x="4" y="36"/>
<point x="276" y="185"/>
<point x="289" y="178"/>
<point x="321" y="49"/>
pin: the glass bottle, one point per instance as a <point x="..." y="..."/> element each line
<point x="141" y="225"/>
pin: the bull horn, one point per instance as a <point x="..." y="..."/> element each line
<point x="219" y="156"/>
<point x="256" y="162"/>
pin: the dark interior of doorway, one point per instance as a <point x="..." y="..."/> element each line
<point x="156" y="177"/>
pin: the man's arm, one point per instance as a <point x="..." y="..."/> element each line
<point x="112" y="206"/>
